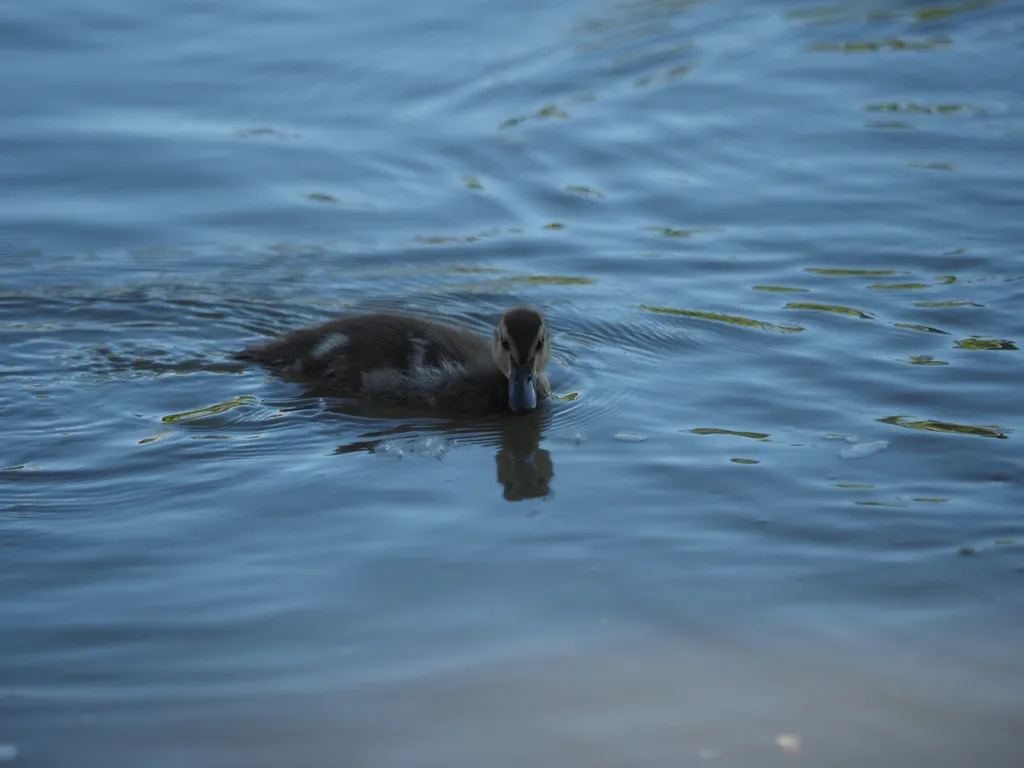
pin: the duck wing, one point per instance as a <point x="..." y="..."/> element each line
<point x="342" y="351"/>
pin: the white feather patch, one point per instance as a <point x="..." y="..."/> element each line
<point x="329" y="344"/>
<point x="420" y="383"/>
<point x="418" y="358"/>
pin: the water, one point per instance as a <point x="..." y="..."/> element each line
<point x="775" y="518"/>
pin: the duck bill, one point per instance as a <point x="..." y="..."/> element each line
<point x="521" y="394"/>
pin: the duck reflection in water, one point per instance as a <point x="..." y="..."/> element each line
<point x="524" y="469"/>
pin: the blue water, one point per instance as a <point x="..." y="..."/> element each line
<point x="775" y="516"/>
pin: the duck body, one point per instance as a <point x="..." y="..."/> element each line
<point x="400" y="359"/>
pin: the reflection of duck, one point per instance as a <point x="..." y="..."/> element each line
<point x="524" y="469"/>
<point x="394" y="358"/>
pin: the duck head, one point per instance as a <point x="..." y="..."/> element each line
<point x="521" y="348"/>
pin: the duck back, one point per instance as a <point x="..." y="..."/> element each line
<point x="392" y="358"/>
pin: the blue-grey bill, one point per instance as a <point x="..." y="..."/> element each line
<point x="521" y="394"/>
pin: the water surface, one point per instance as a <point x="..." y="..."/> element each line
<point x="775" y="516"/>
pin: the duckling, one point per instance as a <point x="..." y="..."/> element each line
<point x="399" y="359"/>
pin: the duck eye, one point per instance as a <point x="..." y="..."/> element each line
<point x="540" y="342"/>
<point x="504" y="344"/>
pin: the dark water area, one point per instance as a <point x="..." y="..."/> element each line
<point x="775" y="516"/>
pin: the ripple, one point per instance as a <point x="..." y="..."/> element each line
<point x="735" y="433"/>
<point x="126" y="359"/>
<point x="510" y="282"/>
<point x="900" y="286"/>
<point x="921" y="328"/>
<point x="854" y="272"/>
<point x="632" y="337"/>
<point x="209" y="410"/>
<point x="921" y="109"/>
<point x="266" y="132"/>
<point x="947" y="10"/>
<point x="833" y="308"/>
<point x="946" y="427"/>
<point x="548" y="112"/>
<point x="864" y="449"/>
<point x="932" y="166"/>
<point x="743" y="322"/>
<point x="892" y="125"/>
<point x="584" y="191"/>
<point x="678" y="234"/>
<point x="946" y="304"/>
<point x="891" y="44"/>
<point x="322" y="197"/>
<point x="166" y="310"/>
<point x="979" y="343"/>
<point x="598" y="402"/>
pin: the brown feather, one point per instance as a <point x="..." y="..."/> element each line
<point x="397" y="358"/>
